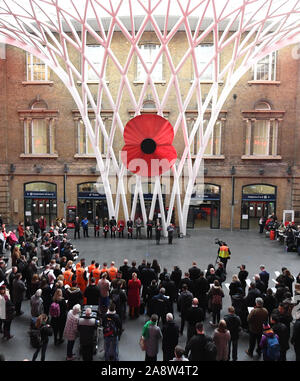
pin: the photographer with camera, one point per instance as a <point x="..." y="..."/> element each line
<point x="223" y="253"/>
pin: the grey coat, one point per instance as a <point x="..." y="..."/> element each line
<point x="18" y="290"/>
<point x="152" y="343"/>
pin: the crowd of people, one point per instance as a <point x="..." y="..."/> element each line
<point x="71" y="298"/>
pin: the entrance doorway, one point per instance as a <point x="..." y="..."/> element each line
<point x="258" y="200"/>
<point x="40" y="200"/>
<point x="91" y="203"/>
<point x="204" y="210"/>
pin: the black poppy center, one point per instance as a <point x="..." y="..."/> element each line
<point x="148" y="146"/>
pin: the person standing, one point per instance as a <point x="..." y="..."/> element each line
<point x="215" y="296"/>
<point x="97" y="227"/>
<point x="151" y="334"/>
<point x="269" y="344"/>
<point x="134" y="287"/>
<point x="92" y="293"/>
<point x="221" y="339"/>
<point x="233" y="323"/>
<point x="158" y="230"/>
<point x="71" y="330"/>
<point x="184" y="304"/>
<point x="130" y="228"/>
<point x="224" y="254"/>
<point x="104" y="287"/>
<point x="170" y="230"/>
<point x="170" y="334"/>
<point x="257" y="317"/>
<point x="138" y="226"/>
<point x="194" y="315"/>
<point x="243" y="275"/>
<point x="86" y="329"/>
<point x="36" y="304"/>
<point x="58" y="313"/>
<point x="195" y="349"/>
<point x="264" y="276"/>
<point x="113" y="227"/>
<point x="261" y="222"/>
<point x="45" y="331"/>
<point x="43" y="224"/>
<point x="19" y="289"/>
<point x="112" y="331"/>
<point x="295" y="339"/>
<point x="85" y="227"/>
<point x="149" y="229"/>
<point x="121" y="227"/>
<point x="281" y="331"/>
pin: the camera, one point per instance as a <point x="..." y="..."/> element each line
<point x="218" y="242"/>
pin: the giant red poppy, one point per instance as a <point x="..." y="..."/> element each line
<point x="148" y="149"/>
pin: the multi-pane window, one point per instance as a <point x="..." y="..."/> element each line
<point x="84" y="144"/>
<point x="94" y="54"/>
<point x="149" y="53"/>
<point x="204" y="54"/>
<point x="261" y="133"/>
<point x="214" y="145"/>
<point x="39" y="136"/>
<point x="265" y="69"/>
<point x="261" y="137"/>
<point x="36" y="69"/>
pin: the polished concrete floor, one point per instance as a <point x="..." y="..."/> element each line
<point x="247" y="247"/>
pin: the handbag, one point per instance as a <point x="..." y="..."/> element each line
<point x="142" y="343"/>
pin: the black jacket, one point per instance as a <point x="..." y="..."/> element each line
<point x="170" y="332"/>
<point x="194" y="315"/>
<point x="281" y="330"/>
<point x="147" y="275"/>
<point x="118" y="322"/>
<point x="243" y="275"/>
<point x="86" y="328"/>
<point x="233" y="325"/>
<point x="253" y="293"/>
<point x="92" y="294"/>
<point x="185" y="302"/>
<point x="125" y="272"/>
<point x="176" y="277"/>
<point x="171" y="289"/>
<point x="194" y="273"/>
<point x="195" y="348"/>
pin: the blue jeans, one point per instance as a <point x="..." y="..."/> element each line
<point x="104" y="301"/>
<point x="111" y="348"/>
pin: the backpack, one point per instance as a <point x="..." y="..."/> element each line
<point x="273" y="348"/>
<point x="109" y="328"/>
<point x="54" y="310"/>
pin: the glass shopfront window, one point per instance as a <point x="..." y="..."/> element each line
<point x="91" y="200"/>
<point x="204" y="210"/>
<point x="258" y="200"/>
<point x="40" y="199"/>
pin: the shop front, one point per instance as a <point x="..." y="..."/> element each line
<point x="258" y="200"/>
<point x="91" y="201"/>
<point x="40" y="199"/>
<point x="204" y="210"/>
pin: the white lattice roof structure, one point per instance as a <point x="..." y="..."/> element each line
<point x="48" y="28"/>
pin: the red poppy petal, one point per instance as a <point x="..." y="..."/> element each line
<point x="166" y="152"/>
<point x="133" y="132"/>
<point x="165" y="133"/>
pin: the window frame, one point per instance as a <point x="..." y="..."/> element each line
<point x="94" y="80"/>
<point x="272" y="74"/>
<point x="30" y="73"/>
<point x="160" y="63"/>
<point x="197" y="51"/>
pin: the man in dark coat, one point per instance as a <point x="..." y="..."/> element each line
<point x="77" y="228"/>
<point x="282" y="332"/>
<point x="147" y="275"/>
<point x="171" y="290"/>
<point x="160" y="305"/>
<point x="170" y="332"/>
<point x="194" y="272"/>
<point x="176" y="276"/>
<point x="243" y="275"/>
<point x="195" y="349"/>
<point x="186" y="280"/>
<point x="18" y="293"/>
<point x="92" y="293"/>
<point x="194" y="315"/>
<point x="184" y="303"/>
<point x="151" y="291"/>
<point x="264" y="276"/>
<point x="253" y="293"/>
<point x="201" y="288"/>
<point x="233" y="325"/>
<point x="133" y="269"/>
<point x="125" y="271"/>
<point x="283" y="316"/>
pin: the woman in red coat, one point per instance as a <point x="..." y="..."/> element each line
<point x="134" y="287"/>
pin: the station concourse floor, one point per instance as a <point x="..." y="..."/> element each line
<point x="247" y="247"/>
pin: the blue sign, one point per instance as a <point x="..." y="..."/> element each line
<point x="39" y="194"/>
<point x="206" y="196"/>
<point x="259" y="197"/>
<point x="91" y="195"/>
